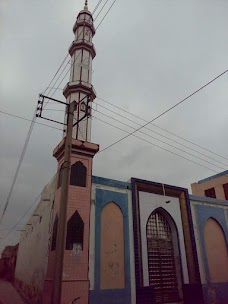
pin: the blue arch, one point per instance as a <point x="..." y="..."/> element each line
<point x="111" y="296"/>
<point x="203" y="214"/>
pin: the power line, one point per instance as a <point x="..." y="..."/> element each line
<point x="101" y="9"/>
<point x="162" y="141"/>
<point x="106" y="14"/>
<point x="166" y="111"/>
<point x="167" y="131"/>
<point x="33" y="122"/>
<point x="56" y="73"/>
<point x="26" y="119"/>
<point x="153" y="145"/>
<point x="19" y="164"/>
<point x="80" y="52"/>
<point x="146" y="128"/>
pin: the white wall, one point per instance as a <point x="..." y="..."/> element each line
<point x="32" y="256"/>
<point x="148" y="202"/>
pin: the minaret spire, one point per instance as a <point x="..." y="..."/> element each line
<point x="80" y="88"/>
<point x="86" y="5"/>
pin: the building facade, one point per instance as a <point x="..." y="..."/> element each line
<point x="148" y="243"/>
<point x="215" y="186"/>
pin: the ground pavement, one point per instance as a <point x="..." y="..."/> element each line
<point x="8" y="294"/>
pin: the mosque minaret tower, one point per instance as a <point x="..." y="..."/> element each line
<point x="75" y="220"/>
<point x="79" y="88"/>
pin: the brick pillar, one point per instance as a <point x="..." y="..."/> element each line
<point x="75" y="282"/>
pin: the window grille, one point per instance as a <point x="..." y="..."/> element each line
<point x="161" y="260"/>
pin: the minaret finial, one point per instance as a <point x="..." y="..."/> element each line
<point x="86" y="5"/>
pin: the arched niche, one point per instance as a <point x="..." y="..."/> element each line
<point x="78" y="174"/>
<point x="75" y="232"/>
<point x="112" y="265"/>
<point x="164" y="264"/>
<point x="216" y="251"/>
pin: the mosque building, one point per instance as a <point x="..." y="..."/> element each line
<point x="126" y="242"/>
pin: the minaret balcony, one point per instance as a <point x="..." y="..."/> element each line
<point x="84" y="22"/>
<point x="79" y="87"/>
<point x="82" y="44"/>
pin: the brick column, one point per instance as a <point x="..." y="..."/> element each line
<point x="75" y="282"/>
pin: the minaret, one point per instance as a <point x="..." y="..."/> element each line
<point x="79" y="87"/>
<point x="80" y="93"/>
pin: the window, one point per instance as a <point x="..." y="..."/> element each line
<point x="83" y="107"/>
<point x="210" y="193"/>
<point x="78" y="174"/>
<point x="54" y="233"/>
<point x="225" y="187"/>
<point x="75" y="232"/>
<point x="60" y="177"/>
<point x="161" y="259"/>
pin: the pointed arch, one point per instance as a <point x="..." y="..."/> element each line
<point x="163" y="254"/>
<point x="54" y="233"/>
<point x="112" y="247"/>
<point x="75" y="231"/>
<point x="78" y="174"/>
<point x="216" y="251"/>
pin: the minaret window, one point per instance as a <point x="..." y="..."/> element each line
<point x="54" y="233"/>
<point x="78" y="174"/>
<point x="75" y="232"/>
<point x="83" y="107"/>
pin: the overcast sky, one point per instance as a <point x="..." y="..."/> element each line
<point x="150" y="55"/>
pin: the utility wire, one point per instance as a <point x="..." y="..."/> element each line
<point x="80" y="52"/>
<point x="106" y="14"/>
<point x="136" y="116"/>
<point x="146" y="128"/>
<point x="56" y="73"/>
<point x="101" y="9"/>
<point x="26" y="119"/>
<point x="96" y="7"/>
<point x="19" y="164"/>
<point x="153" y="145"/>
<point x="162" y="141"/>
<point x="166" y="111"/>
<point x="32" y="125"/>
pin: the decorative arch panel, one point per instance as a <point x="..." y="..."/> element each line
<point x="216" y="251"/>
<point x="112" y="248"/>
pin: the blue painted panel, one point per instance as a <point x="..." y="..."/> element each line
<point x="111" y="296"/>
<point x="203" y="213"/>
<point x="110" y="182"/>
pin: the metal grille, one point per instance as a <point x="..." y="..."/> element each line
<point x="161" y="261"/>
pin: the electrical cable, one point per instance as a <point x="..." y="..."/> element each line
<point x="166" y="111"/>
<point x="162" y="141"/>
<point x="153" y="145"/>
<point x="19" y="165"/>
<point x="146" y="128"/>
<point x="106" y="14"/>
<point x="167" y="131"/>
<point x="26" y="119"/>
